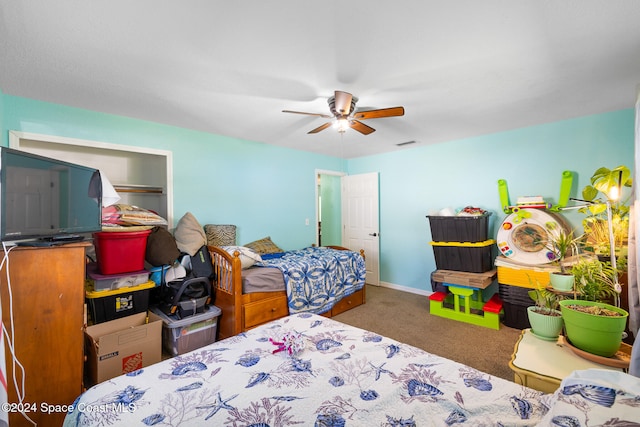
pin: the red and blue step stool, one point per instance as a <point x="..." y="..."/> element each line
<point x="464" y="302"/>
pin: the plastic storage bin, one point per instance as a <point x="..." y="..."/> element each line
<point x="189" y="333"/>
<point x="120" y="251"/>
<point x="459" y="228"/>
<point x="464" y="256"/>
<point x="102" y="282"/>
<point x="114" y="304"/>
<point x="515" y="300"/>
<point x="523" y="277"/>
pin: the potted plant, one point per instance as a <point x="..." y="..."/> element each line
<point x="561" y="244"/>
<point x="592" y="325"/>
<point x="594" y="280"/>
<point x="605" y="186"/>
<point x="545" y="318"/>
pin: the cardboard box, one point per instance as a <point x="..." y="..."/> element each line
<point x="121" y="346"/>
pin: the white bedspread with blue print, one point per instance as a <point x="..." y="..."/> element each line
<point x="317" y="277"/>
<point x="341" y="376"/>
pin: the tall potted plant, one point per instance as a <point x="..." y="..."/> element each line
<point x="545" y="318"/>
<point x="605" y="185"/>
<point x="592" y="325"/>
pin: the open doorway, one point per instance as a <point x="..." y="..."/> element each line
<point x="349" y="216"/>
<point x="328" y="208"/>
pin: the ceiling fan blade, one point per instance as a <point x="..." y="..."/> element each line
<point x="343" y="103"/>
<point x="361" y="127"/>
<point x="377" y="114"/>
<point x="326" y="116"/>
<point x="319" y="128"/>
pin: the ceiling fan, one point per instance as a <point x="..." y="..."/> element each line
<point x="343" y="107"/>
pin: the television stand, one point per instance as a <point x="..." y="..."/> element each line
<point x="46" y="319"/>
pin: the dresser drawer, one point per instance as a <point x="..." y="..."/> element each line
<point x="347" y="303"/>
<point x="257" y="313"/>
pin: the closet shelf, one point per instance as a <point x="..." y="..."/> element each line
<point x="146" y="189"/>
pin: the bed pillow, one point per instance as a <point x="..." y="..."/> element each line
<point x="189" y="234"/>
<point x="220" y="235"/>
<point x="248" y="257"/>
<point x="264" y="246"/>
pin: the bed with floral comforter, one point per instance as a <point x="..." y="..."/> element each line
<point x="316" y="278"/>
<point x="306" y="369"/>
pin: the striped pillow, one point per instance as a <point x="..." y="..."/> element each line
<point x="220" y="235"/>
<point x="264" y="246"/>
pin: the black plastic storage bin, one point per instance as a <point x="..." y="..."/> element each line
<point x="459" y="228"/>
<point x="515" y="300"/>
<point x="122" y="302"/>
<point x="462" y="256"/>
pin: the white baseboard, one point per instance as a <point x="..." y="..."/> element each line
<point x="423" y="292"/>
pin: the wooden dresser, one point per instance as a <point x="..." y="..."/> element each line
<point x="47" y="303"/>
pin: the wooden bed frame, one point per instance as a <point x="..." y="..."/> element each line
<point x="241" y="312"/>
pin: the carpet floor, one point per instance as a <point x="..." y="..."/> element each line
<point x="405" y="317"/>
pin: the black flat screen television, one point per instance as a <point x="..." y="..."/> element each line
<point x="44" y="201"/>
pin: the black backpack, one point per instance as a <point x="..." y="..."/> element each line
<point x="201" y="265"/>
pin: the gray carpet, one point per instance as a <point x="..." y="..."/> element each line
<point x="405" y="317"/>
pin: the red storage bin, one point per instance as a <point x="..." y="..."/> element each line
<point x="120" y="251"/>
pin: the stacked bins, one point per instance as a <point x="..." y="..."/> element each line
<point x="117" y="284"/>
<point x="514" y="283"/>
<point x="461" y="243"/>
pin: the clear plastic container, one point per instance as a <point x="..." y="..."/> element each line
<point x="181" y="336"/>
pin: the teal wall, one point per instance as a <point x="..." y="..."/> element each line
<point x="267" y="190"/>
<point x="264" y="190"/>
<point x="418" y="181"/>
<point x="4" y="136"/>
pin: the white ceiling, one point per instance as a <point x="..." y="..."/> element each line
<point x="460" y="67"/>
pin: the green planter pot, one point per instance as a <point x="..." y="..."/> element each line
<point x="544" y="326"/>
<point x="561" y="282"/>
<point x="600" y="335"/>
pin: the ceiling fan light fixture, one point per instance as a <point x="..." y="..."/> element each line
<point x="344" y="115"/>
<point x="341" y="125"/>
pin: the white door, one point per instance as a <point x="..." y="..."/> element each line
<point x="360" y="220"/>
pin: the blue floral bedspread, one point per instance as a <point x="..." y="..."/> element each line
<point x="595" y="397"/>
<point x="317" y="277"/>
<point x="336" y="375"/>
